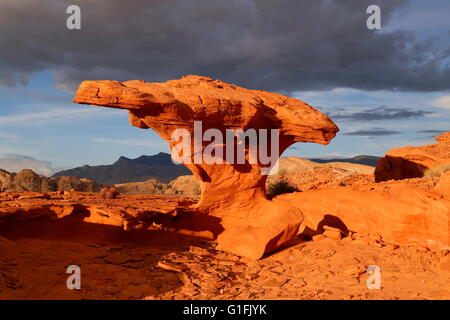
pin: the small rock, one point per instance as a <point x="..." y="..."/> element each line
<point x="249" y="262"/>
<point x="109" y="193"/>
<point x="198" y="251"/>
<point x="360" y="242"/>
<point x="169" y="266"/>
<point x="226" y="256"/>
<point x="355" y="271"/>
<point x="333" y="234"/>
<point x="318" y="237"/>
<point x="375" y="237"/>
<point x="273" y="282"/>
<point x="328" y="228"/>
<point x="224" y="262"/>
<point x="376" y="243"/>
<point x="184" y="278"/>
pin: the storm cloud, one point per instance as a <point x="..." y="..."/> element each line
<point x="379" y="113"/>
<point x="283" y="45"/>
<point x="431" y="131"/>
<point x="372" y="133"/>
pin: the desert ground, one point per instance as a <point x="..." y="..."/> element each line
<point x="133" y="247"/>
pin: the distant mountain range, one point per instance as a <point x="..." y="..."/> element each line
<point x="158" y="166"/>
<point x="363" y="159"/>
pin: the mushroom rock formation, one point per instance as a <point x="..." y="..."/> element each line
<point x="233" y="194"/>
<point x="411" y="162"/>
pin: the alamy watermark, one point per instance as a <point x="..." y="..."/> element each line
<point x="74" y="280"/>
<point x="73" y="21"/>
<point x="227" y="147"/>
<point x="374" y="20"/>
<point x="374" y="280"/>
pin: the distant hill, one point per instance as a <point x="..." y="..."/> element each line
<point x="28" y="180"/>
<point x="307" y="170"/>
<point x="161" y="167"/>
<point x="158" y="166"/>
<point x="363" y="159"/>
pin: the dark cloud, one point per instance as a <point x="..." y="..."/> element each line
<point x="379" y="113"/>
<point x="283" y="45"/>
<point x="431" y="131"/>
<point x="372" y="133"/>
<point x="431" y="134"/>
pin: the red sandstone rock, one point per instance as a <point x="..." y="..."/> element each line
<point x="399" y="212"/>
<point x="245" y="221"/>
<point x="411" y="162"/>
<point x="27" y="180"/>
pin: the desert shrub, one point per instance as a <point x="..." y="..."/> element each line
<point x="436" y="171"/>
<point x="280" y="187"/>
<point x="197" y="191"/>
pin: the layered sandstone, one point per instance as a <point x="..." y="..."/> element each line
<point x="415" y="211"/>
<point x="233" y="195"/>
<point x="412" y="162"/>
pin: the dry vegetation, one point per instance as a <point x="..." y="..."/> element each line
<point x="437" y="171"/>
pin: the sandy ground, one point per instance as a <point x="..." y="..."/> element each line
<point x="118" y="264"/>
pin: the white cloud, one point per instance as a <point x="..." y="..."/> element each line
<point x="8" y="136"/>
<point x="442" y="102"/>
<point x="16" y="163"/>
<point x="49" y="115"/>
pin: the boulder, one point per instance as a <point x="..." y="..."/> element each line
<point x="233" y="195"/>
<point x="28" y="180"/>
<point x="68" y="183"/>
<point x="413" y="162"/>
<point x="6" y="180"/>
<point x="400" y="212"/>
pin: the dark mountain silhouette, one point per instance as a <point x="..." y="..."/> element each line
<point x="158" y="166"/>
<point x="362" y="159"/>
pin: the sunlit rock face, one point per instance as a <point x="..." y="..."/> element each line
<point x="247" y="222"/>
<point x="413" y="162"/>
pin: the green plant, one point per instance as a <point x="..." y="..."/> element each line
<point x="280" y="187"/>
<point x="436" y="171"/>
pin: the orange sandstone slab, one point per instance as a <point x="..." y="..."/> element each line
<point x="399" y="212"/>
<point x="411" y="162"/>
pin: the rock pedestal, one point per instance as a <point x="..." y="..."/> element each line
<point x="248" y="223"/>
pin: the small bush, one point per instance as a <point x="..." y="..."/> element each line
<point x="197" y="191"/>
<point x="280" y="187"/>
<point x="436" y="171"/>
